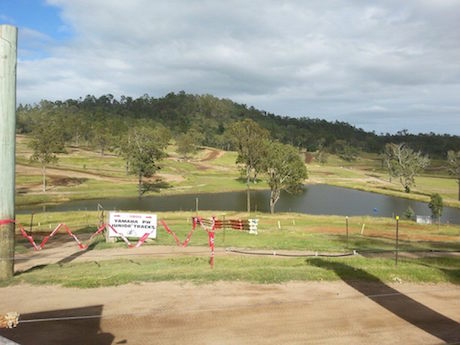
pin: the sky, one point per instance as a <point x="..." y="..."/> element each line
<point x="382" y="66"/>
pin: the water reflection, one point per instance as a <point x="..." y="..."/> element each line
<point x="315" y="199"/>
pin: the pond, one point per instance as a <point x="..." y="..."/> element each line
<point x="315" y="199"/>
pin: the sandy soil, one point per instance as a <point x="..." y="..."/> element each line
<point x="58" y="177"/>
<point x="211" y="155"/>
<point x="170" y="177"/>
<point x="31" y="170"/>
<point x="236" y="313"/>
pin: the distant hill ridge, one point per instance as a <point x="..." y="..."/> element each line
<point x="212" y="116"/>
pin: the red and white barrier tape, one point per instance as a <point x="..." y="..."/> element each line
<point x="189" y="236"/>
<point x="101" y="228"/>
<point x="173" y="234"/>
<point x="23" y="232"/>
<point x="169" y="231"/>
<point x="211" y="246"/>
<point x="6" y="221"/>
<point x="79" y="243"/>
<point x="121" y="235"/>
<point x="140" y="242"/>
<point x="46" y="238"/>
<point x="196" y="220"/>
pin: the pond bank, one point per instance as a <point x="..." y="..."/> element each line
<point x="317" y="199"/>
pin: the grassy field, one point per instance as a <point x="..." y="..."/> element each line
<point x="297" y="233"/>
<point x="85" y="174"/>
<point x="256" y="270"/>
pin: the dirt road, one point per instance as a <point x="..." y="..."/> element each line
<point x="236" y="313"/>
<point x="343" y="312"/>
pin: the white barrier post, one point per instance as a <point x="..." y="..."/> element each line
<point x="253" y="226"/>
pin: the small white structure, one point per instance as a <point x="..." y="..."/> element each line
<point x="423" y="219"/>
<point x="253" y="226"/>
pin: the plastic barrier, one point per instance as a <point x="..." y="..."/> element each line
<point x="211" y="230"/>
<point x="209" y="225"/>
<point x="196" y="221"/>
<point x="79" y="243"/>
<point x="46" y="238"/>
<point x="235" y="224"/>
<point x="173" y="234"/>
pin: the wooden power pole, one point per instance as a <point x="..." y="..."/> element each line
<point x="8" y="58"/>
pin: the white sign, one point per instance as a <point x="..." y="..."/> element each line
<point x="132" y="224"/>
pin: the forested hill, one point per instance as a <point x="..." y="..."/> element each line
<point x="91" y="117"/>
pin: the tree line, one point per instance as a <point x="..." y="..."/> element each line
<point x="100" y="121"/>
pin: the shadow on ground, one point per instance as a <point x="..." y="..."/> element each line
<point x="403" y="306"/>
<point x="81" y="326"/>
<point x="65" y="260"/>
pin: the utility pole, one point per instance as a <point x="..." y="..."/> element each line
<point x="8" y="58"/>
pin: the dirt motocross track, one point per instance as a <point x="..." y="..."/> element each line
<point x="235" y="313"/>
<point x="342" y="312"/>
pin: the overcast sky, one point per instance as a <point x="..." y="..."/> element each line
<point x="383" y="66"/>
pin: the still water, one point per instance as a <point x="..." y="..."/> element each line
<point x="315" y="199"/>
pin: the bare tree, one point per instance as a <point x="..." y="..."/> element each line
<point x="405" y="164"/>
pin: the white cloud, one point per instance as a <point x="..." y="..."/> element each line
<point x="330" y="59"/>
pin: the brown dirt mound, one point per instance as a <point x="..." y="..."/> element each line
<point x="213" y="154"/>
<point x="67" y="181"/>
